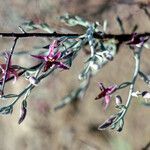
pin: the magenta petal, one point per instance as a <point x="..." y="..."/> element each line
<point x="61" y="65"/>
<point x="39" y="57"/>
<point x="10" y="71"/>
<point x="3" y="67"/>
<point x="6" y="55"/>
<point x="111" y="89"/>
<point x="107" y="101"/>
<point x="51" y="51"/>
<point x="51" y="48"/>
<point x="101" y="86"/>
<point x="57" y="56"/>
<point x="15" y="75"/>
<point x="102" y="94"/>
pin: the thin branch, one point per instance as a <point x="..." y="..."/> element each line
<point x="147" y="146"/>
<point x="144" y="7"/>
<point x="144" y="77"/>
<point x="137" y="57"/>
<point x="7" y="65"/>
<point x="120" y="23"/>
<point x="21" y="29"/>
<point x="120" y="37"/>
<point x="136" y="71"/>
<point x="25" y="35"/>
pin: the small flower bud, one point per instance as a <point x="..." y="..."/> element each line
<point x="107" y="123"/>
<point x="118" y="100"/>
<point x="145" y="95"/>
<point x="119" y="129"/>
<point x="23" y="112"/>
<point x="108" y="56"/>
<point x="33" y="80"/>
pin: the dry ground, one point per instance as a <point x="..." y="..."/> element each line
<point x="75" y="126"/>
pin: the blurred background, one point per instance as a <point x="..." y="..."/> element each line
<point x="75" y="126"/>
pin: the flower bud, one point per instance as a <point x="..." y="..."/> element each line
<point x="145" y="95"/>
<point x="118" y="100"/>
<point x="108" y="56"/>
<point x="23" y="112"/>
<point x="33" y="80"/>
<point x="107" y="123"/>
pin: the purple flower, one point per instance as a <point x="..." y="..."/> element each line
<point x="10" y="72"/>
<point x="105" y="93"/>
<point x="52" y="59"/>
<point x="137" y="41"/>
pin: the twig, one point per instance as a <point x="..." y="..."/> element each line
<point x="21" y="29"/>
<point x="144" y="7"/>
<point x="137" y="56"/>
<point x="120" y="37"/>
<point x="7" y="65"/>
<point x="144" y="77"/>
<point x="120" y="23"/>
<point x="146" y="147"/>
<point x="25" y="35"/>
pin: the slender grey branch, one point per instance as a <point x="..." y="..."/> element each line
<point x="137" y="57"/>
<point x="120" y="23"/>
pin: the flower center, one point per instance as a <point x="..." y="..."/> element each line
<point x="51" y="59"/>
